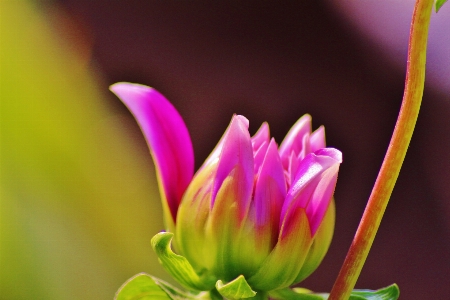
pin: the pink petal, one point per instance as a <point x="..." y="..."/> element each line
<point x="293" y="167"/>
<point x="317" y="139"/>
<point x="294" y="139"/>
<point x="259" y="156"/>
<point x="314" y="185"/>
<point x="321" y="197"/>
<point x="166" y="135"/>
<point x="306" y="149"/>
<point x="261" y="137"/>
<point x="236" y="152"/>
<point x="270" y="188"/>
<point x="330" y="152"/>
<point x="214" y="155"/>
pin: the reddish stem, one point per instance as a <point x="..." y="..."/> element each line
<point x="412" y="98"/>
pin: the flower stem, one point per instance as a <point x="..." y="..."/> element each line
<point x="412" y="97"/>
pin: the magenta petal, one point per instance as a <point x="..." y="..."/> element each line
<point x="261" y="137"/>
<point x="259" y="156"/>
<point x="214" y="155"/>
<point x="306" y="148"/>
<point x="294" y="139"/>
<point x="268" y="202"/>
<point x="320" y="199"/>
<point x="236" y="152"/>
<point x="317" y="139"/>
<point x="314" y="185"/>
<point x="166" y="135"/>
<point x="293" y="167"/>
<point x="330" y="152"/>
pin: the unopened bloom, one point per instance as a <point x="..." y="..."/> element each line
<point x="253" y="208"/>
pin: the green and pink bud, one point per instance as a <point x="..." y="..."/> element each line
<point x="254" y="211"/>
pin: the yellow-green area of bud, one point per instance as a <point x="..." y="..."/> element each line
<point x="193" y="214"/>
<point x="282" y="266"/>
<point x="224" y="229"/>
<point x="320" y="245"/>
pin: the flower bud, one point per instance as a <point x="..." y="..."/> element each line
<point x="254" y="211"/>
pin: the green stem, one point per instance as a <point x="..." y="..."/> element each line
<point x="412" y="97"/>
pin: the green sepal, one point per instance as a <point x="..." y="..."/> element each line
<point x="388" y="293"/>
<point x="439" y="4"/>
<point x="236" y="289"/>
<point x="178" y="266"/>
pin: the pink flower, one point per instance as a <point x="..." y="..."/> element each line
<point x="253" y="208"/>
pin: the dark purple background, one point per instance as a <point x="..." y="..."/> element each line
<point x="274" y="61"/>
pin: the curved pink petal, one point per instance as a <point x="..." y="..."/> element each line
<point x="314" y="185"/>
<point x="330" y="152"/>
<point x="294" y="139"/>
<point x="317" y="139"/>
<point x="292" y="168"/>
<point x="236" y="152"/>
<point x="167" y="137"/>
<point x="306" y="148"/>
<point x="318" y="205"/>
<point x="320" y="199"/>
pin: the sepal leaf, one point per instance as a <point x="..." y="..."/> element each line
<point x="391" y="292"/>
<point x="236" y="289"/>
<point x="178" y="266"/>
<point x="388" y="293"/>
<point x="439" y="4"/>
<point x="295" y="294"/>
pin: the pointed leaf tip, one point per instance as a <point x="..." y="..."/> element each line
<point x="236" y="289"/>
<point x="439" y="4"/>
<point x="178" y="266"/>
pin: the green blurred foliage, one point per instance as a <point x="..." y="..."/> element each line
<point x="79" y="202"/>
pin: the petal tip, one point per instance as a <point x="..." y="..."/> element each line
<point x="331" y="152"/>
<point x="126" y="90"/>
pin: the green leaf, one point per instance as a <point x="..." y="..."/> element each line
<point x="295" y="294"/>
<point x="439" y="4"/>
<point x="236" y="289"/>
<point x="388" y="293"/>
<point x="142" y="287"/>
<point x="178" y="266"/>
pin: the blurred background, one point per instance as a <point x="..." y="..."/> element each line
<point x="79" y="202"/>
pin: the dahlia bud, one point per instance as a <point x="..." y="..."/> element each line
<point x="254" y="213"/>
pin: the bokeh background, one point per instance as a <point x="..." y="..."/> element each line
<point x="79" y="202"/>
